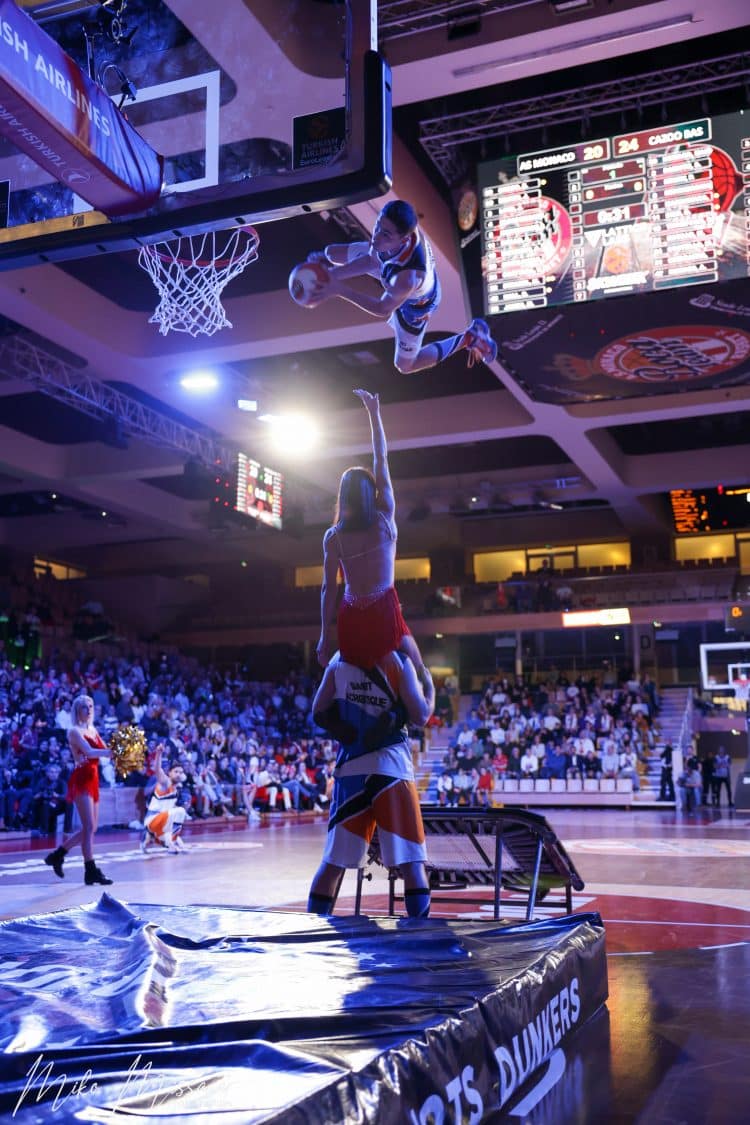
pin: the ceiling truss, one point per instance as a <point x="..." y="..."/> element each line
<point x="397" y="18"/>
<point x="444" y="138"/>
<point x="22" y="359"/>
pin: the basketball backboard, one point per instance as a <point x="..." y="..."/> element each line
<point x="725" y="667"/>
<point x="262" y="109"/>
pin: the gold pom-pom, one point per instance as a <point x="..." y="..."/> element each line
<point x="128" y="746"/>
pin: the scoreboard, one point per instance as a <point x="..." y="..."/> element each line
<point x="710" y="510"/>
<point x="259" y="491"/>
<point x="737" y="618"/>
<point x="632" y="213"/>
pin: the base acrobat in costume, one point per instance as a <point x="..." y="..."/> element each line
<point x="367" y="709"/>
<point x="164" y="817"/>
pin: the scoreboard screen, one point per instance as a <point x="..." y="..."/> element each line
<point x="737" y="618"/>
<point x="633" y="213"/>
<point x="710" y="510"/>
<point x="259" y="491"/>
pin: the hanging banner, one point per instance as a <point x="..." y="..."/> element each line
<point x="696" y="338"/>
<point x="67" y="124"/>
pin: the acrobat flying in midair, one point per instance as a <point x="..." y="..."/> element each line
<point x="401" y="258"/>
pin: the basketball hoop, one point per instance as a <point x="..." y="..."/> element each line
<point x="741" y="690"/>
<point x="190" y="275"/>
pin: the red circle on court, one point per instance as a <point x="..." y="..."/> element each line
<point x="633" y="924"/>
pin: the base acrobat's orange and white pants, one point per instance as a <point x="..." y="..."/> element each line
<point x="363" y="802"/>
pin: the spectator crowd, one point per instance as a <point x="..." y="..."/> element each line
<point x="246" y="745"/>
<point x="557" y="729"/>
<point x="243" y="744"/>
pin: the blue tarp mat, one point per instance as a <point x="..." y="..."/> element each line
<point x="211" y="1013"/>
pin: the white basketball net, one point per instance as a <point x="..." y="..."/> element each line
<point x="741" y="689"/>
<point x="190" y="275"/>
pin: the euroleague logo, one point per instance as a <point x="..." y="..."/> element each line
<point x="674" y="354"/>
<point x="75" y="176"/>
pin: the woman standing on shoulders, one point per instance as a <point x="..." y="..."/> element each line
<point x="362" y="542"/>
<point x="87" y="748"/>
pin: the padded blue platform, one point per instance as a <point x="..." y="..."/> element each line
<point x="259" y="1016"/>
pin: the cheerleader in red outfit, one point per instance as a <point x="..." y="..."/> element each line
<point x="362" y="542"/>
<point x="83" y="790"/>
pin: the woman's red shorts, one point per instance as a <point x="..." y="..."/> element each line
<point x="370" y="628"/>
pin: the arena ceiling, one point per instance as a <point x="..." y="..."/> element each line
<point x="480" y="456"/>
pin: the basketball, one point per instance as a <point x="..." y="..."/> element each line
<point x="304" y="280"/>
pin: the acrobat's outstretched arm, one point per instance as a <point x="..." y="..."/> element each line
<point x="355" y="258"/>
<point x="161" y="777"/>
<point x="381" y="472"/>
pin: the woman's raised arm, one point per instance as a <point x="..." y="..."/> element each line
<point x="383" y="484"/>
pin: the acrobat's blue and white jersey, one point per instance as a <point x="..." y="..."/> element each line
<point x="415" y="256"/>
<point x="367" y="701"/>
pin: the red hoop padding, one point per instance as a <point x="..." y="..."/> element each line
<point x="205" y="263"/>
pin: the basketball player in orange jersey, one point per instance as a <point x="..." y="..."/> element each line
<point x="164" y="817"/>
<point x="87" y="748"/>
<point x="400" y="257"/>
<point x="362" y="543"/>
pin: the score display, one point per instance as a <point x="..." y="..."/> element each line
<point x="723" y="508"/>
<point x="632" y="213"/>
<point x="737" y="618"/>
<point x="259" y="491"/>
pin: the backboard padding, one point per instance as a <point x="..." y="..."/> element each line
<point x="218" y="95"/>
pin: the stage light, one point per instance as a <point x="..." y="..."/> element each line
<point x="250" y="405"/>
<point x="291" y="434"/>
<point x="199" y="382"/>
